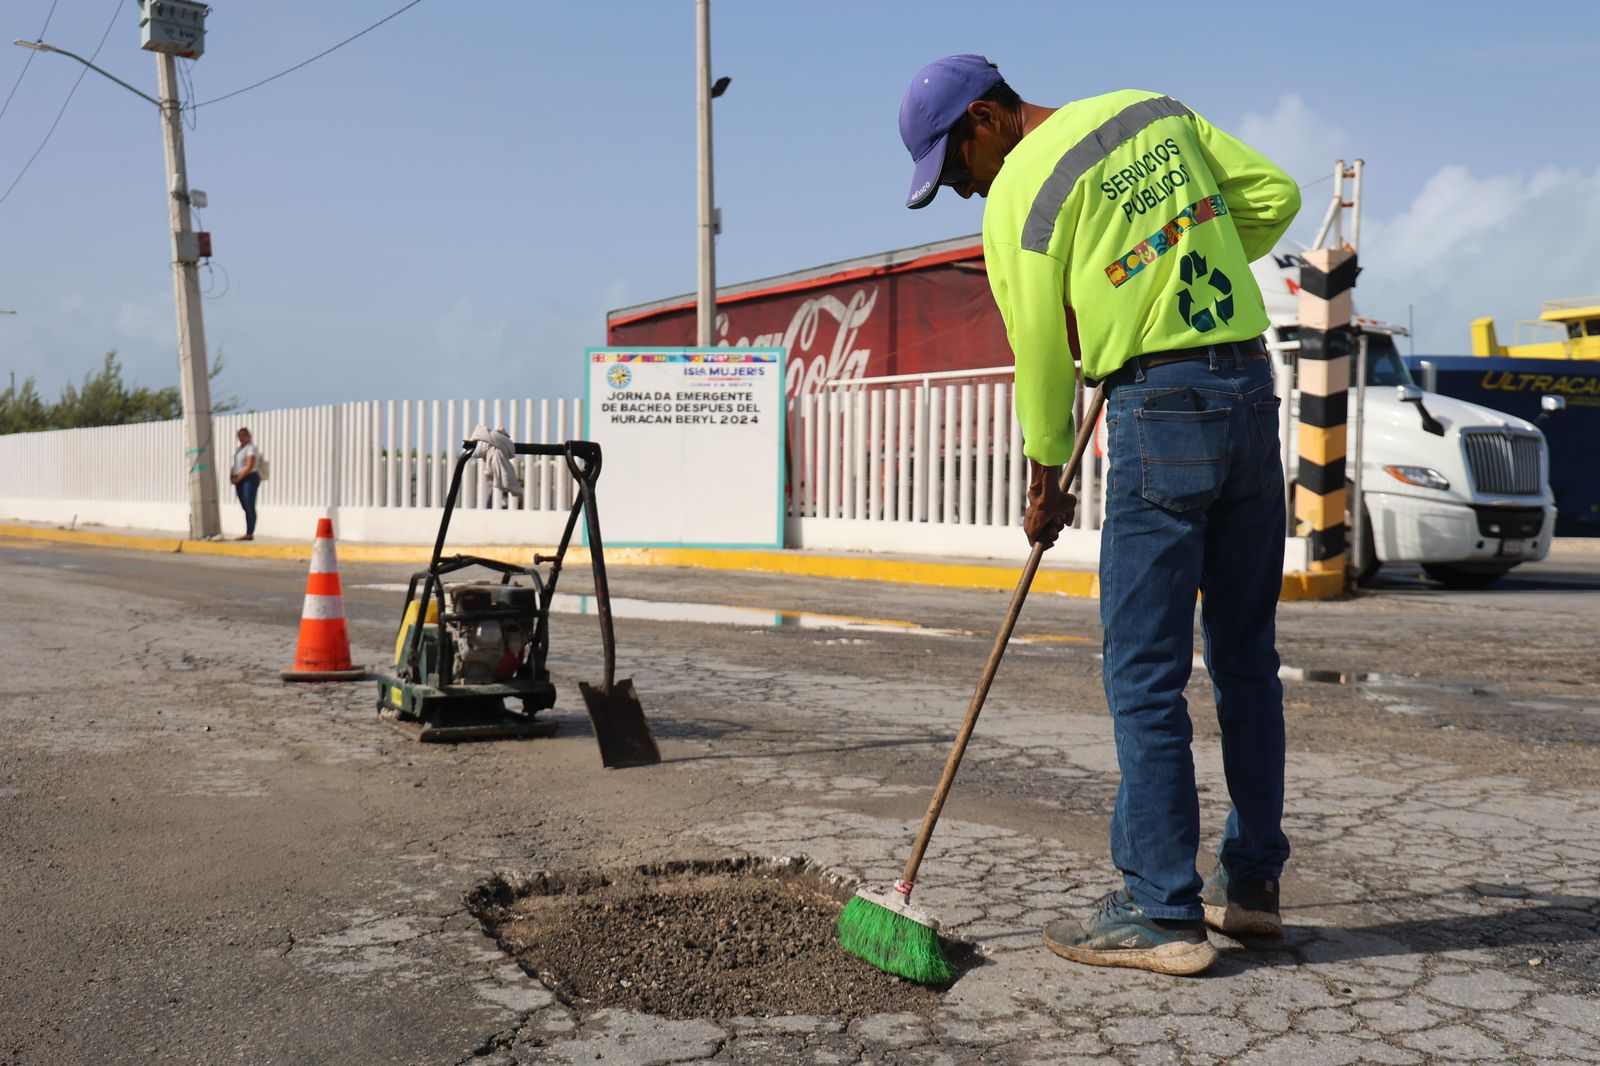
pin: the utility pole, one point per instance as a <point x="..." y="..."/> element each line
<point x="706" y="317"/>
<point x="199" y="449"/>
<point x="173" y="28"/>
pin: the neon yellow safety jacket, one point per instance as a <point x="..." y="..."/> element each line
<point x="1140" y="217"/>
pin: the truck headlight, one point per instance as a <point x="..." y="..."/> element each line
<point x="1421" y="476"/>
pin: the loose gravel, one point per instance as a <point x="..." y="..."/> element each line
<point x="697" y="945"/>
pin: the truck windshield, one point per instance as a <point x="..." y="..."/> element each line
<point x="1384" y="365"/>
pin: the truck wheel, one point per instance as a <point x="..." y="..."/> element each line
<point x="1459" y="577"/>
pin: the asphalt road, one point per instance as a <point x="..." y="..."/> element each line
<point x="201" y="864"/>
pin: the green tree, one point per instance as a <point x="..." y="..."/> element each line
<point x="105" y="400"/>
<point x="21" y="410"/>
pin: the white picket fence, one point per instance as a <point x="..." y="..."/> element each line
<point x="381" y="468"/>
<point x="922" y="465"/>
<point x="926" y="465"/>
<point x="948" y="454"/>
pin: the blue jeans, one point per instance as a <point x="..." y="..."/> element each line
<point x="1194" y="505"/>
<point x="247" y="489"/>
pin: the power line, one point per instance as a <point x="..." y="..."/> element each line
<point x="29" y="63"/>
<point x="49" y="133"/>
<point x="186" y="74"/>
<point x="313" y="59"/>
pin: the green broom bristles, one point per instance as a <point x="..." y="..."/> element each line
<point x="888" y="937"/>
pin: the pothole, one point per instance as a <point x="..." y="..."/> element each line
<point x="695" y="939"/>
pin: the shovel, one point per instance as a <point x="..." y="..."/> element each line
<point x="614" y="709"/>
<point x="618" y="718"/>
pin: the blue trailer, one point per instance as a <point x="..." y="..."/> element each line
<point x="1516" y="387"/>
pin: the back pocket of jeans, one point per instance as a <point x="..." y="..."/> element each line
<point x="1266" y="412"/>
<point x="1183" y="456"/>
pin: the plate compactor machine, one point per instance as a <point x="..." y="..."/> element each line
<point x="467" y="648"/>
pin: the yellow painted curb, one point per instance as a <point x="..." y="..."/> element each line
<point x="249" y="550"/>
<point x="1306" y="585"/>
<point x="863" y="568"/>
<point x="1082" y="583"/>
<point x="100" y="540"/>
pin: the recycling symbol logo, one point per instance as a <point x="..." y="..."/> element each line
<point x="1199" y="286"/>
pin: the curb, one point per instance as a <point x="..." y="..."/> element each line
<point x="1297" y="586"/>
<point x="125" y="541"/>
<point x="1312" y="585"/>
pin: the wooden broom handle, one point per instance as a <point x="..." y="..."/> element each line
<point x="929" y="820"/>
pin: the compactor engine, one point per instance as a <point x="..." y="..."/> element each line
<point x="491" y="628"/>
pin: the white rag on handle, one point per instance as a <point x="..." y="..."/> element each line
<point x="496" y="449"/>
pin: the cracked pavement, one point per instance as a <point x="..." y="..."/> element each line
<point x="203" y="864"/>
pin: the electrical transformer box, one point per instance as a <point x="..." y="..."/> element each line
<point x="193" y="247"/>
<point x="174" y="26"/>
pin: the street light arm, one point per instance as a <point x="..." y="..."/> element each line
<point x="40" y="46"/>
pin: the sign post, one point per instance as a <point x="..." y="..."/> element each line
<point x="693" y="445"/>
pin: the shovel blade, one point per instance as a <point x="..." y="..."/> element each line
<point x="619" y="725"/>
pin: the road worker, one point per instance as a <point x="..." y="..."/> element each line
<point x="1118" y="232"/>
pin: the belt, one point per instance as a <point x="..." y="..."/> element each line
<point x="1254" y="348"/>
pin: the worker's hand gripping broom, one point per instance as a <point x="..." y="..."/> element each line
<point x="882" y="927"/>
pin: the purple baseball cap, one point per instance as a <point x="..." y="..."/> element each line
<point x="937" y="99"/>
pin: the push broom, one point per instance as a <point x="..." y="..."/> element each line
<point x="882" y="927"/>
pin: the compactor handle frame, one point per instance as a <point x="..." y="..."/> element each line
<point x="583" y="459"/>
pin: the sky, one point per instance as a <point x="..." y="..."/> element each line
<point x="448" y="206"/>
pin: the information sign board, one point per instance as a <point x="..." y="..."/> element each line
<point x="692" y="443"/>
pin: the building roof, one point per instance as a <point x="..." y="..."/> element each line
<point x="892" y="262"/>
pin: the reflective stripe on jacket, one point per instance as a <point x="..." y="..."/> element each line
<point x="1142" y="218"/>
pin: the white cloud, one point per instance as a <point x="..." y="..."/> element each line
<point x="1297" y="138"/>
<point x="616" y="294"/>
<point x="74" y="306"/>
<point x="147" y="322"/>
<point x="467" y="340"/>
<point x="1471" y="245"/>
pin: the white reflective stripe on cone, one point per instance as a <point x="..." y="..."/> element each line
<point x="323" y="607"/>
<point x="323" y="560"/>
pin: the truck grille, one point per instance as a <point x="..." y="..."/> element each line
<point x="1504" y="463"/>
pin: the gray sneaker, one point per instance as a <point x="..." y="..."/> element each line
<point x="1119" y="933"/>
<point x="1241" y="908"/>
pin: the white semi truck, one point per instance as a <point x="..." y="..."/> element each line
<point x="1458" y="488"/>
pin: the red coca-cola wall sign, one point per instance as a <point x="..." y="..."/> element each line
<point x="922" y="316"/>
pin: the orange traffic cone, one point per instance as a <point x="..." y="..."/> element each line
<point x="323" y="653"/>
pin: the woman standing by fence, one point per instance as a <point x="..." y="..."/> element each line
<point x="247" y="480"/>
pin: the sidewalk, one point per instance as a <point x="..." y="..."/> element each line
<point x="852" y="566"/>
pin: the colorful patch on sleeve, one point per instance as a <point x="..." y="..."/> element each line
<point x="1165" y="239"/>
